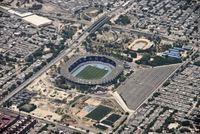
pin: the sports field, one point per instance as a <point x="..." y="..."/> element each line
<point x="92" y="72"/>
<point x="99" y="113"/>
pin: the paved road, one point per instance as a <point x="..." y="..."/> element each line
<point x="95" y="26"/>
<point x="73" y="46"/>
<point x="63" y="127"/>
<point x="142" y="83"/>
<point x="148" y="34"/>
<point x="92" y="28"/>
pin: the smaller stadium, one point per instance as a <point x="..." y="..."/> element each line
<point x="91" y="69"/>
<point x="140" y="44"/>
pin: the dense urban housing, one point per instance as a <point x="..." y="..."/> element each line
<point x="99" y="66"/>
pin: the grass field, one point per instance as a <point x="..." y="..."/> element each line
<point x="99" y="113"/>
<point x="91" y="72"/>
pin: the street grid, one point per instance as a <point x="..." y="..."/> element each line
<point x="174" y="20"/>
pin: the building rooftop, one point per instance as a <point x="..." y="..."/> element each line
<point x="37" y="20"/>
<point x="6" y="120"/>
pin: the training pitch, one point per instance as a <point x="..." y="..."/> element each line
<point x="99" y="113"/>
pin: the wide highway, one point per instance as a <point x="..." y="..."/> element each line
<point x="100" y="22"/>
<point x="92" y="28"/>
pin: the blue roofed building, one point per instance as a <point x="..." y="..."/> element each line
<point x="174" y="52"/>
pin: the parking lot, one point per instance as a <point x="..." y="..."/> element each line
<point x="142" y="83"/>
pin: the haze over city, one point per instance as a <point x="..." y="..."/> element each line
<point x="99" y="66"/>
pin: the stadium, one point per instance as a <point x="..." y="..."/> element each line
<point x="91" y="70"/>
<point x="140" y="44"/>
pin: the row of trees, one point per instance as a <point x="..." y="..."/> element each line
<point x="151" y="60"/>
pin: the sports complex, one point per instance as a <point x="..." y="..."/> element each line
<point x="91" y="69"/>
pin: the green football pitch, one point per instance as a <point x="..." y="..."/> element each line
<point x="99" y="112"/>
<point x="91" y="72"/>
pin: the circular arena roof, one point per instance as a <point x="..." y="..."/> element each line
<point x="78" y="61"/>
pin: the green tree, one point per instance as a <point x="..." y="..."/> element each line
<point x="123" y="19"/>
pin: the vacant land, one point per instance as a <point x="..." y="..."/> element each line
<point x="142" y="83"/>
<point x="91" y="72"/>
<point x="99" y="113"/>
